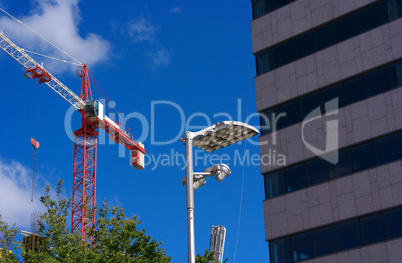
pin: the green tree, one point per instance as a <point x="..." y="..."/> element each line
<point x="8" y="242"/>
<point x="208" y="257"/>
<point x="117" y="238"/>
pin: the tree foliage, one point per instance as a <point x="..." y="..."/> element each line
<point x="208" y="257"/>
<point x="8" y="242"/>
<point x="117" y="238"/>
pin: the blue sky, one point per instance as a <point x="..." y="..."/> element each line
<point x="172" y="65"/>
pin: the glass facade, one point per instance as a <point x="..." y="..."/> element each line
<point x="295" y="178"/>
<point x="349" y="91"/>
<point x="337" y="237"/>
<point x="324" y="241"/>
<point x="372" y="229"/>
<point x="348" y="234"/>
<point x="393" y="226"/>
<point x="352" y="159"/>
<point x="301" y="246"/>
<point x="263" y="7"/>
<point x="317" y="39"/>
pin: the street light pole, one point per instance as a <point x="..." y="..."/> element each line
<point x="210" y="139"/>
<point x="190" y="197"/>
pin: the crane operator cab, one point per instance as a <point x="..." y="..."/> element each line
<point x="94" y="110"/>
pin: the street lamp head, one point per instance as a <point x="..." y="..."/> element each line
<point x="221" y="171"/>
<point x="223" y="134"/>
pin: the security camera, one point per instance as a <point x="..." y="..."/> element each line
<point x="198" y="181"/>
<point x="220" y="170"/>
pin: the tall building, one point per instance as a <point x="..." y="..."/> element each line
<point x="329" y="93"/>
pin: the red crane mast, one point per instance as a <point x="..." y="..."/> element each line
<point x="84" y="173"/>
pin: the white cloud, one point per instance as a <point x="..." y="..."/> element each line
<point x="56" y="20"/>
<point x="15" y="193"/>
<point x="141" y="30"/>
<point x="160" y="57"/>
<point x="176" y="10"/>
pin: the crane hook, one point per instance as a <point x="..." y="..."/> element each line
<point x="35" y="144"/>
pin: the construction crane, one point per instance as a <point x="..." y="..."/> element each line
<point x="93" y="117"/>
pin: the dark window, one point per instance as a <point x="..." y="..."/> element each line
<point x="304" y="45"/>
<point x="279" y="250"/>
<point x="387" y="149"/>
<point x="292" y="111"/>
<point x="377" y="81"/>
<point x="275" y="118"/>
<point x="372" y="229"/>
<point x="265" y="62"/>
<point x="343" y="166"/>
<point x="348" y="92"/>
<point x="396" y="74"/>
<point x="342" y="163"/>
<point x="326" y="36"/>
<point x="295" y="177"/>
<point x="261" y="7"/>
<point x="276" y="4"/>
<point x="264" y="124"/>
<point x="348" y="234"/>
<point x="330" y="93"/>
<point x="393" y="219"/>
<point x="302" y="247"/>
<point x="354" y="90"/>
<point x="400" y="139"/>
<point x="274" y="184"/>
<point x="268" y="121"/>
<point x="391" y="10"/>
<point x="338" y="237"/>
<point x="317" y="171"/>
<point x="369" y="18"/>
<point x="324" y="241"/>
<point x="332" y="33"/>
<point x="309" y="104"/>
<point x="284" y="53"/>
<point x="347" y="27"/>
<point x="363" y="157"/>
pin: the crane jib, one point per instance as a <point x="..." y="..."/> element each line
<point x="33" y="67"/>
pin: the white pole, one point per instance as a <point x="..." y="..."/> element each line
<point x="190" y="197"/>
